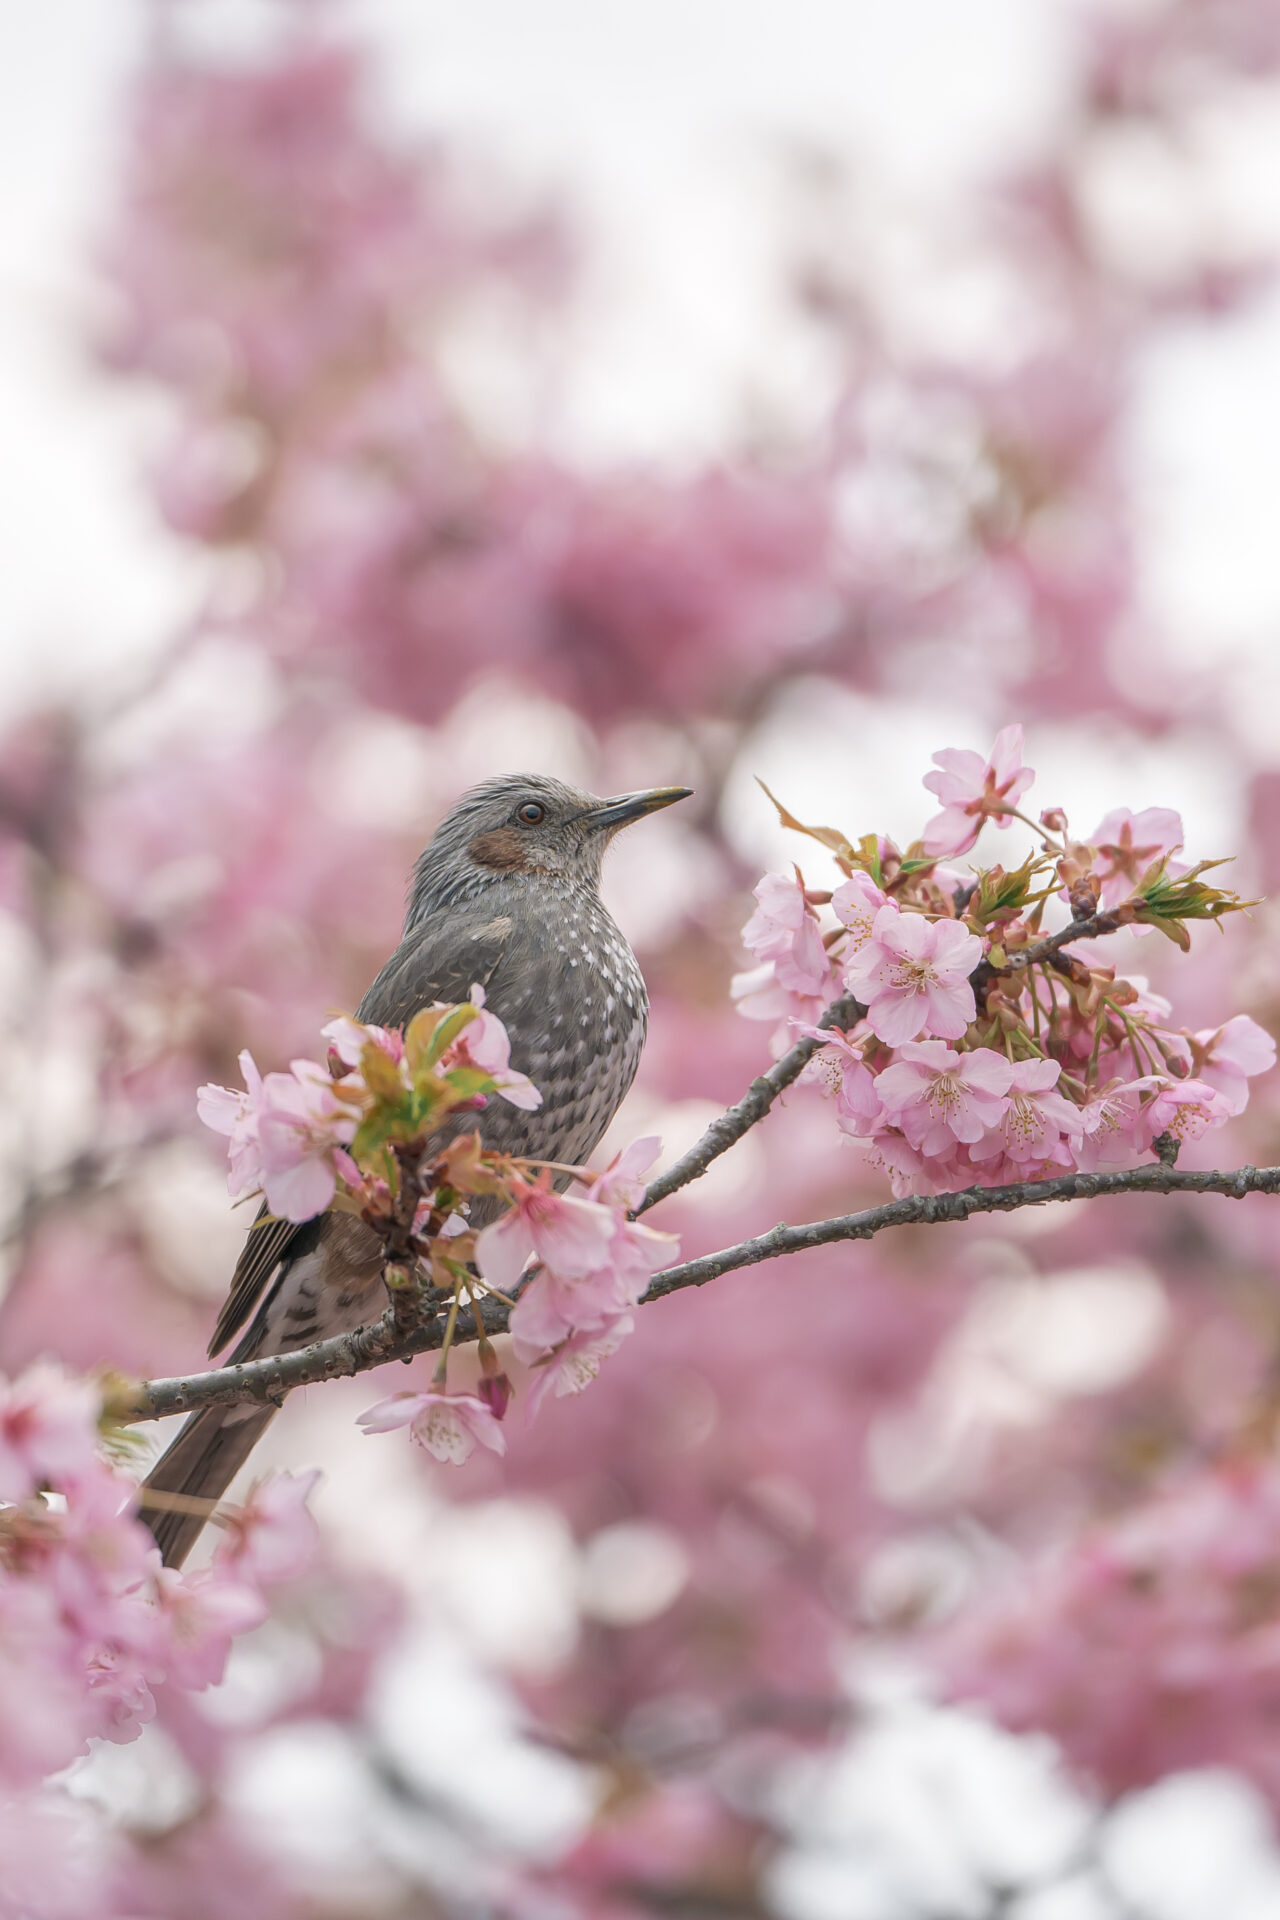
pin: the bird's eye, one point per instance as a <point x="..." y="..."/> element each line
<point x="530" y="813"/>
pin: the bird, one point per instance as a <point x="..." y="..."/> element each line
<point x="505" y="897"/>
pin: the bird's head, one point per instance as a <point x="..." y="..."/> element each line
<point x="525" y="824"/>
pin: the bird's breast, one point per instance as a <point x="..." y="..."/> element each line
<point x="573" y="1001"/>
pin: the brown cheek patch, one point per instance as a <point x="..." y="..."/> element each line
<point x="505" y="850"/>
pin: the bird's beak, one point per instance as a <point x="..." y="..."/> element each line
<point x="632" y="806"/>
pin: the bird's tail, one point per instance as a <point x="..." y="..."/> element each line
<point x="199" y="1467"/>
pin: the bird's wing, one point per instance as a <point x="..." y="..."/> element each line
<point x="441" y="960"/>
<point x="269" y="1240"/>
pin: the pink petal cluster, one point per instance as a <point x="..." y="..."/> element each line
<point x="594" y="1262"/>
<point x="1038" y="1127"/>
<point x="284" y="1131"/>
<point x="792" y="978"/>
<point x="938" y="1097"/>
<point x="973" y="790"/>
<point x="855" y="905"/>
<point x="572" y="1366"/>
<point x="288" y="1132"/>
<point x="1053" y="1067"/>
<point x="90" y="1623"/>
<point x="1151" y="1644"/>
<point x="913" y="976"/>
<point x="449" y="1425"/>
<point x="48" y="1431"/>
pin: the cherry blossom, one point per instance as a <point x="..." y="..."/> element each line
<point x="1128" y="845"/>
<point x="840" y="1069"/>
<point x="1231" y="1055"/>
<point x="284" y="1131"/>
<point x="1184" y="1109"/>
<point x="449" y="1425"/>
<point x="792" y="979"/>
<point x="348" y="1039"/>
<point x="272" y="1536"/>
<point x="483" y="1043"/>
<point x="1038" y="1125"/>
<point x="48" y="1430"/>
<point x="568" y="1234"/>
<point x="201" y="1614"/>
<point x="973" y="790"/>
<point x="914" y="976"/>
<point x="573" y="1365"/>
<point x="622" y="1182"/>
<point x="856" y="905"/>
<point x="938" y="1096"/>
<point x="1114" y="1129"/>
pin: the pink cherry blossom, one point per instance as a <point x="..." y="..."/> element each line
<point x="907" y="1170"/>
<point x="938" y="1096"/>
<point x="348" y="1038"/>
<point x="759" y="995"/>
<point x="1231" y="1055"/>
<point x="300" y="1124"/>
<point x="48" y="1430"/>
<point x="284" y="1131"/>
<point x="855" y="905"/>
<point x="793" y="977"/>
<point x="1184" y="1108"/>
<point x="1128" y="844"/>
<point x="914" y="976"/>
<point x="484" y="1044"/>
<point x="784" y="929"/>
<point x="1038" y="1125"/>
<point x="567" y="1234"/>
<point x="839" y="1069"/>
<point x="554" y="1305"/>
<point x="235" y="1115"/>
<point x="449" y="1425"/>
<point x="272" y="1536"/>
<point x="1114" y="1131"/>
<point x="622" y="1183"/>
<point x="201" y="1614"/>
<point x="573" y="1365"/>
<point x="973" y="790"/>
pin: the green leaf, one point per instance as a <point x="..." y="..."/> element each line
<point x="1165" y="900"/>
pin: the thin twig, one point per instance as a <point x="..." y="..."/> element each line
<point x="269" y="1379"/>
<point x="1091" y="927"/>
<point x="730" y="1126"/>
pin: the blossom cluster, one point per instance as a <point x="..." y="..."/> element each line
<point x="91" y="1624"/>
<point x="289" y="1133"/>
<point x="364" y="1135"/>
<point x="987" y="1051"/>
<point x="1150" y="1644"/>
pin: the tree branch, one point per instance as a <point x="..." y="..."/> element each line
<point x="268" y="1380"/>
<point x="728" y="1128"/>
